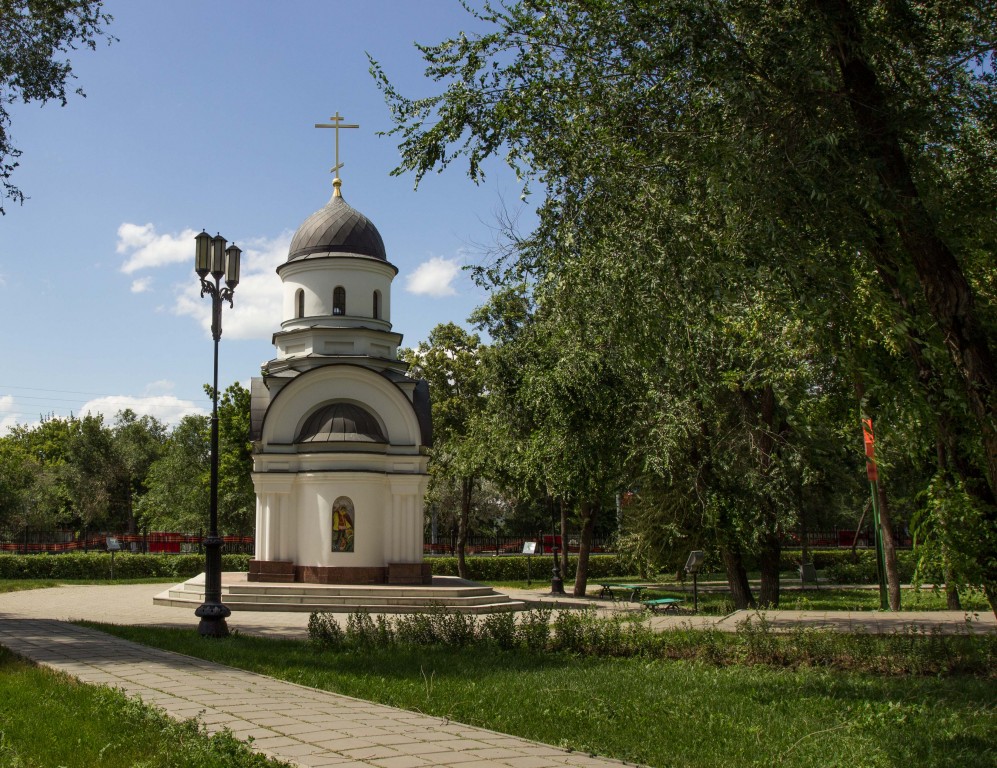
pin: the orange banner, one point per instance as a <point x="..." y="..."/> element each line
<point x="870" y="450"/>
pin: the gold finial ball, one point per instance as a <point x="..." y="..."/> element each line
<point x="336" y="184"/>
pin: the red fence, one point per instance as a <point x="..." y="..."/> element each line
<point x="169" y="542"/>
<point x="152" y="542"/>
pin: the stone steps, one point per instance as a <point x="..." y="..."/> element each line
<point x="251" y="596"/>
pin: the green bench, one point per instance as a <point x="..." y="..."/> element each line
<point x="609" y="590"/>
<point x="662" y="604"/>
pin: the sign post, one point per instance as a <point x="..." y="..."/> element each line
<point x="529" y="549"/>
<point x="113" y="545"/>
<point x="692" y="565"/>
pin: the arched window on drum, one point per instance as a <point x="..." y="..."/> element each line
<point x="339" y="300"/>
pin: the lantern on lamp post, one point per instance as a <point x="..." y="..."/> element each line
<point x="212" y="257"/>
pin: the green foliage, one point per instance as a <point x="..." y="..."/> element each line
<point x="747" y="208"/>
<point x="500" y="629"/>
<point x="842" y="568"/>
<point x="178" y="480"/>
<point x="584" y="633"/>
<point x="97" y="565"/>
<point x="514" y="567"/>
<point x="81" y="472"/>
<point x="236" y="495"/>
<point x="324" y="631"/>
<point x="33" y="34"/>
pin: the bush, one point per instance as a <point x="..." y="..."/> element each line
<point x="534" y="629"/>
<point x="514" y="567"/>
<point x="325" y="632"/>
<point x="500" y="628"/>
<point x="840" y="567"/>
<point x="540" y="631"/>
<point x="97" y="566"/>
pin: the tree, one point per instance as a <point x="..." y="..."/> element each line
<point x="178" y="481"/>
<point x="563" y="395"/>
<point x="138" y="443"/>
<point x="449" y="361"/>
<point x="832" y="144"/>
<point x="32" y="35"/>
<point x="91" y="472"/>
<point x="236" y="495"/>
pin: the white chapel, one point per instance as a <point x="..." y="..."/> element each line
<point x="340" y="433"/>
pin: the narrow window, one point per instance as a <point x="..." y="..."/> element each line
<point x="299" y="303"/>
<point x="339" y="301"/>
<point x="377" y="305"/>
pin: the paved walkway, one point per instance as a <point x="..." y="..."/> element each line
<point x="305" y="726"/>
<point x="300" y="725"/>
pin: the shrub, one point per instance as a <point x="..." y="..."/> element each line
<point x="514" y="567"/>
<point x="97" y="565"/>
<point x="417" y="629"/>
<point x="754" y="642"/>
<point x="324" y="631"/>
<point x="534" y="629"/>
<point x="841" y="567"/>
<point x="500" y="628"/>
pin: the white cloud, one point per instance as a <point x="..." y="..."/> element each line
<point x="141" y="285"/>
<point x="7" y="420"/>
<point x="257" y="310"/>
<point x="162" y="386"/>
<point x="434" y="277"/>
<point x="167" y="408"/>
<point x="144" y="248"/>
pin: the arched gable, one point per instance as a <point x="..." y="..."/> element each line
<point x="343" y="382"/>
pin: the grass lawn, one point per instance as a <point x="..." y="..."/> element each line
<point x="47" y="719"/>
<point x="656" y="712"/>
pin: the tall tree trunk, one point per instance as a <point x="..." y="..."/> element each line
<point x="737" y="576"/>
<point x="952" y="601"/>
<point x="771" y="549"/>
<point x="586" y="511"/>
<point x="889" y="550"/>
<point x="466" y="487"/>
<point x="768" y="561"/>
<point x="948" y="294"/>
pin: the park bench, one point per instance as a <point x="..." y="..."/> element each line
<point x="662" y="604"/>
<point x="609" y="590"/>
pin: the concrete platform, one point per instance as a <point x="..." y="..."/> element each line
<point x="239" y="594"/>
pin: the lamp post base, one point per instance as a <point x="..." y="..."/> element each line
<point x="556" y="584"/>
<point x="213" y="617"/>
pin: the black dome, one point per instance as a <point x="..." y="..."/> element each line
<point x="341" y="422"/>
<point x="337" y="228"/>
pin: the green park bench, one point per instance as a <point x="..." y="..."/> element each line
<point x="662" y="604"/>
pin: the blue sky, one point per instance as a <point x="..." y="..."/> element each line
<point x="201" y="117"/>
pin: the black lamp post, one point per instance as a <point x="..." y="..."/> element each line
<point x="211" y="256"/>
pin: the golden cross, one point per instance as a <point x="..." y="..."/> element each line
<point x="336" y="124"/>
